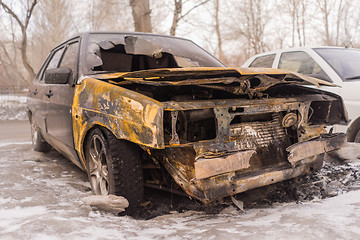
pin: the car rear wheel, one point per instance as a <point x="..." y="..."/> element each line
<point x="357" y="137"/>
<point x="354" y="132"/>
<point x="38" y="142"/>
<point x="114" y="167"/>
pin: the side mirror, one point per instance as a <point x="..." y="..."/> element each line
<point x="58" y="75"/>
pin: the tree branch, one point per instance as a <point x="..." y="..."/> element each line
<point x="9" y="11"/>
<point x="29" y="12"/>
<point x="23" y="27"/>
<point x="194" y="7"/>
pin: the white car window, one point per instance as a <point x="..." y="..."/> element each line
<point x="263" y="61"/>
<point x="301" y="62"/>
<point x="344" y="61"/>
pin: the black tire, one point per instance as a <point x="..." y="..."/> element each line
<point x="114" y="167"/>
<point x="353" y="132"/>
<point x="38" y="142"/>
<point x="357" y="136"/>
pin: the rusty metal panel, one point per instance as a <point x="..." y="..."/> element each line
<point x="206" y="71"/>
<point x="321" y="145"/>
<point x="129" y="115"/>
<point x="207" y="167"/>
<point x="230" y="184"/>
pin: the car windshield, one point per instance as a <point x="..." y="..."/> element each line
<point x="124" y="52"/>
<point x="344" y="61"/>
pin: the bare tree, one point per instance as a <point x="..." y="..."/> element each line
<point x="12" y="71"/>
<point x="340" y="11"/>
<point x="217" y="28"/>
<point x="325" y="8"/>
<point x="11" y="74"/>
<point x="52" y="25"/>
<point x="142" y="15"/>
<point x="297" y="11"/>
<point x="23" y="26"/>
<point x="251" y="25"/>
<point x="178" y="15"/>
<point x="110" y="15"/>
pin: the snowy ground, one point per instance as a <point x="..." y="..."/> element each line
<point x="12" y="107"/>
<point x="41" y="195"/>
<point x="40" y="198"/>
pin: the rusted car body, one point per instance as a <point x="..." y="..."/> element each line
<point x="216" y="131"/>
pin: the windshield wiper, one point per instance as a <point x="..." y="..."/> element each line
<point x="352" y="78"/>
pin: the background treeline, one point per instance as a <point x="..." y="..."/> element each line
<point x="232" y="30"/>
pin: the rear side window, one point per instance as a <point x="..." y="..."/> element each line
<point x="263" y="61"/>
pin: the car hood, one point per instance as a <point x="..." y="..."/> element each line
<point x="197" y="75"/>
<point x="238" y="81"/>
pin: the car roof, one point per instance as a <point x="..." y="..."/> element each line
<point x="297" y="49"/>
<point x="87" y="33"/>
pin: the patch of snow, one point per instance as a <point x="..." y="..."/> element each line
<point x="5" y="200"/>
<point x="3" y="144"/>
<point x="13" y="107"/>
<point x="11" y="218"/>
<point x="109" y="203"/>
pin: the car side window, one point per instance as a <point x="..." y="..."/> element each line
<point x="263" y="61"/>
<point x="54" y="61"/>
<point x="70" y="57"/>
<point x="302" y="62"/>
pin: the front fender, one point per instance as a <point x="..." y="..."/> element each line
<point x="127" y="114"/>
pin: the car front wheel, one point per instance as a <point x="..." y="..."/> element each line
<point x="114" y="167"/>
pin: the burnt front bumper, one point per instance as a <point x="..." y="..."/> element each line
<point x="219" y="177"/>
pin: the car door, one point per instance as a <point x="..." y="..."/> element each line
<point x="60" y="99"/>
<point x="38" y="99"/>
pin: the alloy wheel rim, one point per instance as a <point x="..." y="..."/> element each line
<point x="98" y="166"/>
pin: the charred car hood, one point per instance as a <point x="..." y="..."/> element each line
<point x="197" y="75"/>
<point x="234" y="83"/>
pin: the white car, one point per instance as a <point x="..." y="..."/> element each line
<point x="340" y="66"/>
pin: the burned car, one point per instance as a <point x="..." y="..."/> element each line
<point x="140" y="110"/>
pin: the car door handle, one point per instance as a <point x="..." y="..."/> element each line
<point x="35" y="92"/>
<point x="49" y="94"/>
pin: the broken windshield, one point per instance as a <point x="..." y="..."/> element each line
<point x="135" y="52"/>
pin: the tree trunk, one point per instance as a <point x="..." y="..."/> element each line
<point x="24" y="57"/>
<point x="176" y="17"/>
<point x="142" y="15"/>
<point x="218" y="33"/>
<point x="23" y="25"/>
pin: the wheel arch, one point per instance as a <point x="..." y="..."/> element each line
<point x="106" y="131"/>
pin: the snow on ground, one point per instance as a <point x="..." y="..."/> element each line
<point x="41" y="194"/>
<point x="12" y="107"/>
